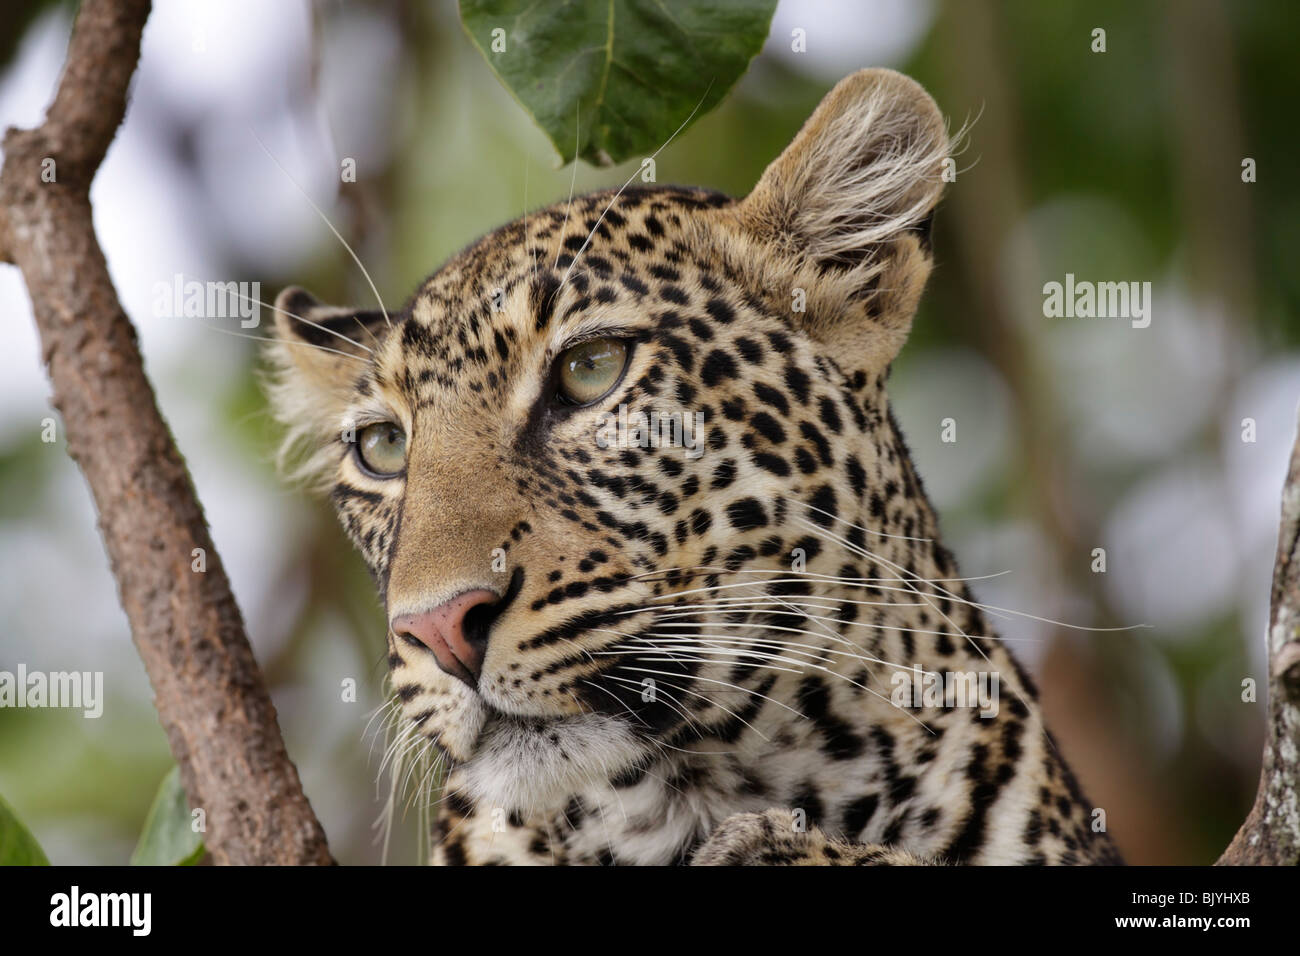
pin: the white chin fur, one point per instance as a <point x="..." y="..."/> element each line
<point x="518" y="767"/>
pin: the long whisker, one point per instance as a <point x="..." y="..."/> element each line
<point x="586" y="241"/>
<point x="802" y="665"/>
<point x="666" y="573"/>
<point x="793" y="647"/>
<point x="265" y="338"/>
<point x="934" y="607"/>
<point x="957" y="598"/>
<point x="878" y="534"/>
<point x="690" y="719"/>
<point x="743" y="690"/>
<point x="314" y="325"/>
<point x="573" y="181"/>
<point x="528" y="235"/>
<point x="673" y="702"/>
<point x="683" y="615"/>
<point x="327" y="222"/>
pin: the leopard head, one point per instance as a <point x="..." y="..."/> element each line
<point x="549" y="553"/>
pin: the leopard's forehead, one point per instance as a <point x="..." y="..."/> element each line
<point x="600" y="257"/>
<point x="601" y="234"/>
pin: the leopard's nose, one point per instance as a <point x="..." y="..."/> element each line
<point x="456" y="632"/>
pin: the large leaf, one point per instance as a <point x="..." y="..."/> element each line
<point x="168" y="839"/>
<point x="17" y="845"/>
<point x="628" y="73"/>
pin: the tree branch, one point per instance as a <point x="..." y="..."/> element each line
<point x="1271" y="833"/>
<point x="211" y="701"/>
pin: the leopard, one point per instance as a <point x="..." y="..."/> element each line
<point x="662" y="582"/>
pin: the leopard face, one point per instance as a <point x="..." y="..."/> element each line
<point x="718" y="607"/>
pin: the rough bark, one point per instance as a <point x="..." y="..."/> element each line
<point x="1271" y="833"/>
<point x="209" y="693"/>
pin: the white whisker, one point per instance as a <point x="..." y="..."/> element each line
<point x="586" y="241"/>
<point x="314" y="325"/>
<point x="265" y="338"/>
<point x="327" y="222"/>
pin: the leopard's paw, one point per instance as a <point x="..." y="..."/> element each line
<point x="770" y="838"/>
<point x="778" y="837"/>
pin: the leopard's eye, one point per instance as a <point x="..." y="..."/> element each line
<point x="382" y="449"/>
<point x="589" y="370"/>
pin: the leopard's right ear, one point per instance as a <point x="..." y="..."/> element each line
<point x="328" y="343"/>
<point x="316" y="357"/>
<point x="844" y="213"/>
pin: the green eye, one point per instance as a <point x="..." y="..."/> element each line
<point x="382" y="449"/>
<point x="589" y="370"/>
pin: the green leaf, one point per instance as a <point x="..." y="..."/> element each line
<point x="17" y="845"/>
<point x="168" y="839"/>
<point x="616" y="78"/>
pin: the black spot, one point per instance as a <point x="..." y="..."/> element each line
<point x="734" y="409"/>
<point x="720" y="311"/>
<point x="768" y="427"/>
<point x="749" y="350"/>
<point x="745" y="514"/>
<point x="771" y="396"/>
<point x="806" y="799"/>
<point x="542" y="296"/>
<point x="810" y="432"/>
<point x="724" y="474"/>
<point x="773" y="463"/>
<point x="839" y="741"/>
<point x="718" y="367"/>
<point x="823" y="500"/>
<point x="633" y="284"/>
<point x="701" y="329"/>
<point x="830" y="415"/>
<point x="681" y="351"/>
<point x="858" y="814"/>
<point x="798" y="382"/>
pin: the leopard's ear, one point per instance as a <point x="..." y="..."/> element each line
<point x="325" y="345"/>
<point x="845" y="210"/>
<point x="318" y="354"/>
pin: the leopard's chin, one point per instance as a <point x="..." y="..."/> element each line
<point x="532" y="765"/>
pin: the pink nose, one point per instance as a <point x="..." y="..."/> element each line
<point x="458" y="649"/>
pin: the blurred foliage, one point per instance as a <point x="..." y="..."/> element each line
<point x="17" y="845"/>
<point x="1123" y="164"/>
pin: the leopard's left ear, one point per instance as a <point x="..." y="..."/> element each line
<point x="845" y="210"/>
<point x="313" y="363"/>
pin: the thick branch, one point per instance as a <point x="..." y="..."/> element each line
<point x="219" y="719"/>
<point x="1271" y="833"/>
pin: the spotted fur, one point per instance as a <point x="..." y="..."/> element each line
<point x="770" y="588"/>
